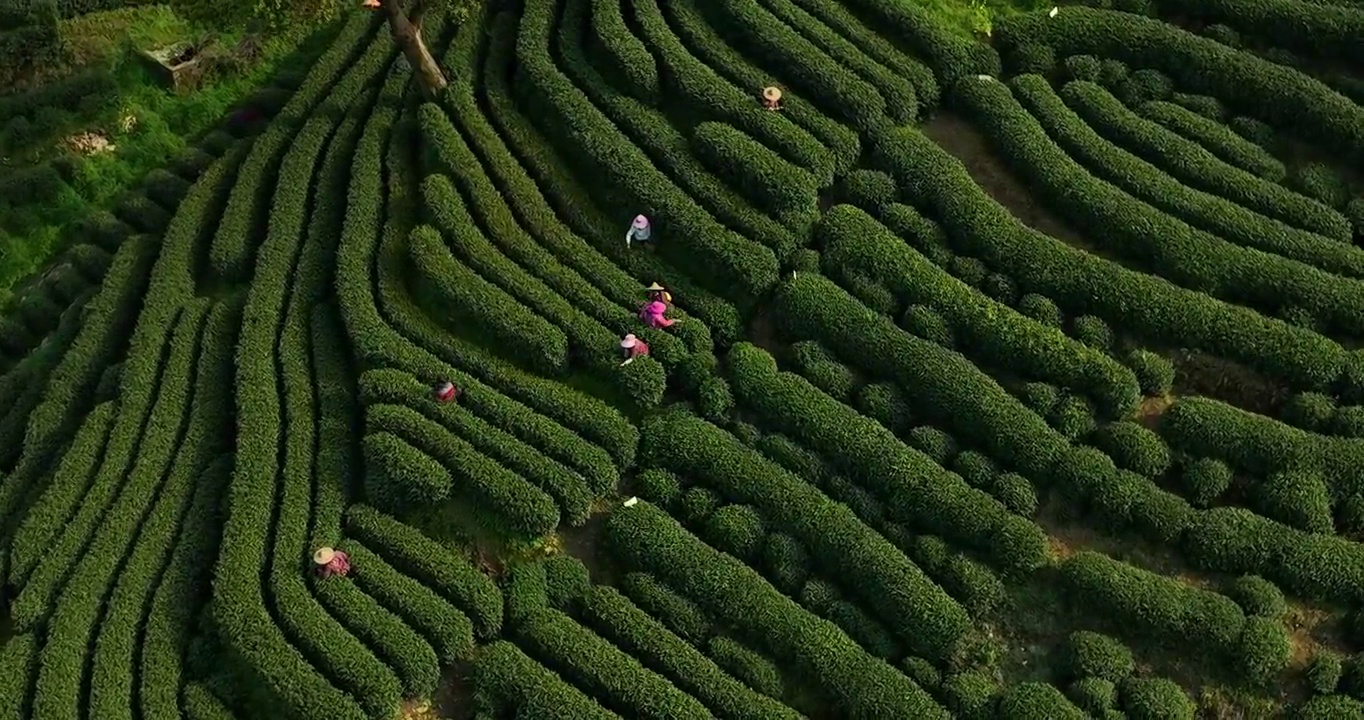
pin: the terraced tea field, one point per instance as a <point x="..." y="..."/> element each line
<point x="1014" y="379"/>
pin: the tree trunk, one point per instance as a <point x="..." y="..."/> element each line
<point x="407" y="33"/>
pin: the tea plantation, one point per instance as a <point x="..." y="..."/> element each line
<point x="1015" y="377"/>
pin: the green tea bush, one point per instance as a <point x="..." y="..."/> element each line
<point x="735" y="529"/>
<point x="1040" y="397"/>
<point x="752" y="669"/>
<point x="868" y="189"/>
<point x="659" y="487"/>
<point x="1297" y="498"/>
<point x="1204" y="480"/>
<point x="1133" y="447"/>
<point x="970" y="695"/>
<point x="1082" y="67"/>
<point x="1323" y="672"/>
<point x="1090" y="654"/>
<point x="884" y="403"/>
<point x="1257" y="596"/>
<point x="1095" y="695"/>
<point x="928" y="323"/>
<point x="1263" y="651"/>
<point x="1036" y="700"/>
<point x="933" y="442"/>
<point x="679" y="614"/>
<point x="1156" y="699"/>
<point x="1309" y="411"/>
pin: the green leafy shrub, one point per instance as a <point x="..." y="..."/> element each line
<point x="785" y="562"/>
<point x="1263" y="651"/>
<point x="928" y="324"/>
<point x="1217" y="138"/>
<point x="771" y="181"/>
<point x="735" y="529"/>
<point x="1256" y="131"/>
<point x="1349" y="421"/>
<point x="1329" y="707"/>
<point x="1297" y="498"/>
<point x="868" y="189"/>
<point x="1321" y="183"/>
<point x="1016" y="492"/>
<point x="1039" y="59"/>
<point x="1082" y="67"/>
<point x="922" y="672"/>
<point x="1090" y="654"/>
<point x="1204" y="106"/>
<point x="1323" y="672"/>
<point x="644" y="537"/>
<point x="659" y="487"/>
<point x="933" y="442"/>
<point x="401" y="478"/>
<point x="969" y="270"/>
<point x="1145" y="85"/>
<point x="1310" y="411"/>
<point x="823" y="370"/>
<point x="679" y="614"/>
<point x="696" y="504"/>
<point x="1155" y="373"/>
<point x="1134" y="447"/>
<point x="567" y="581"/>
<point x="1040" y="397"/>
<point x="525" y="592"/>
<point x="1000" y="288"/>
<point x="1204" y="480"/>
<point x="970" y="695"/>
<point x="752" y="669"/>
<point x="975" y="468"/>
<point x="1027" y="700"/>
<point x="1041" y="308"/>
<point x="884" y="403"/>
<point x="1257" y="596"/>
<point x="803" y="260"/>
<point x="1095" y="695"/>
<point x="613" y="616"/>
<point x="1156" y="699"/>
<point x="1112" y="73"/>
<point x="1073" y="416"/>
<point x="1223" y="34"/>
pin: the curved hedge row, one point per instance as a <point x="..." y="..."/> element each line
<point x="949" y="54"/>
<point x="375" y="342"/>
<point x="593" y="320"/>
<point x="400" y="478"/>
<point x="1195" y="258"/>
<point x="617" y="619"/>
<point x="657" y="137"/>
<point x="395" y="644"/>
<point x="532" y="202"/>
<point x="709" y="48"/>
<point x="573" y="492"/>
<point x="678" y="614"/>
<point x="864" y="687"/>
<point x="170" y="618"/>
<point x="281" y="656"/>
<point x="1003" y="337"/>
<point x="61" y="501"/>
<point x="685" y="229"/>
<point x="614" y="678"/>
<point x="943" y="385"/>
<point x="898" y="92"/>
<point x="510" y="681"/>
<point x="1331" y="31"/>
<point x="830" y="84"/>
<point x="878" y="48"/>
<point x="703" y="87"/>
<point x="236" y="238"/>
<point x="1189" y="163"/>
<point x="462" y="293"/>
<point x="431" y="564"/>
<point x="771" y="181"/>
<point x="1198" y="65"/>
<point x="625" y="56"/>
<point x="448" y="630"/>
<point x="925" y="617"/>
<point x="112" y="686"/>
<point x="1149" y="308"/>
<point x="71" y="617"/>
<point x="524" y="509"/>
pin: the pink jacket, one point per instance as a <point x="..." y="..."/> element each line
<point x="652" y="315"/>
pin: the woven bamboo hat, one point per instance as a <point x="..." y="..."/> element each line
<point x="772" y="93"/>
<point x="323" y="555"/>
<point x="655" y="287"/>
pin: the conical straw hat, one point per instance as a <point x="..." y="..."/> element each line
<point x="323" y="555"/>
<point x="628" y="342"/>
<point x="772" y="93"/>
<point x="655" y="287"/>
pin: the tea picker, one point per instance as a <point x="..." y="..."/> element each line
<point x="640" y="230"/>
<point x="658" y="293"/>
<point x="652" y="315"/>
<point x="328" y="562"/>
<point x="772" y="98"/>
<point x="633" y="348"/>
<point x="447" y="392"/>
